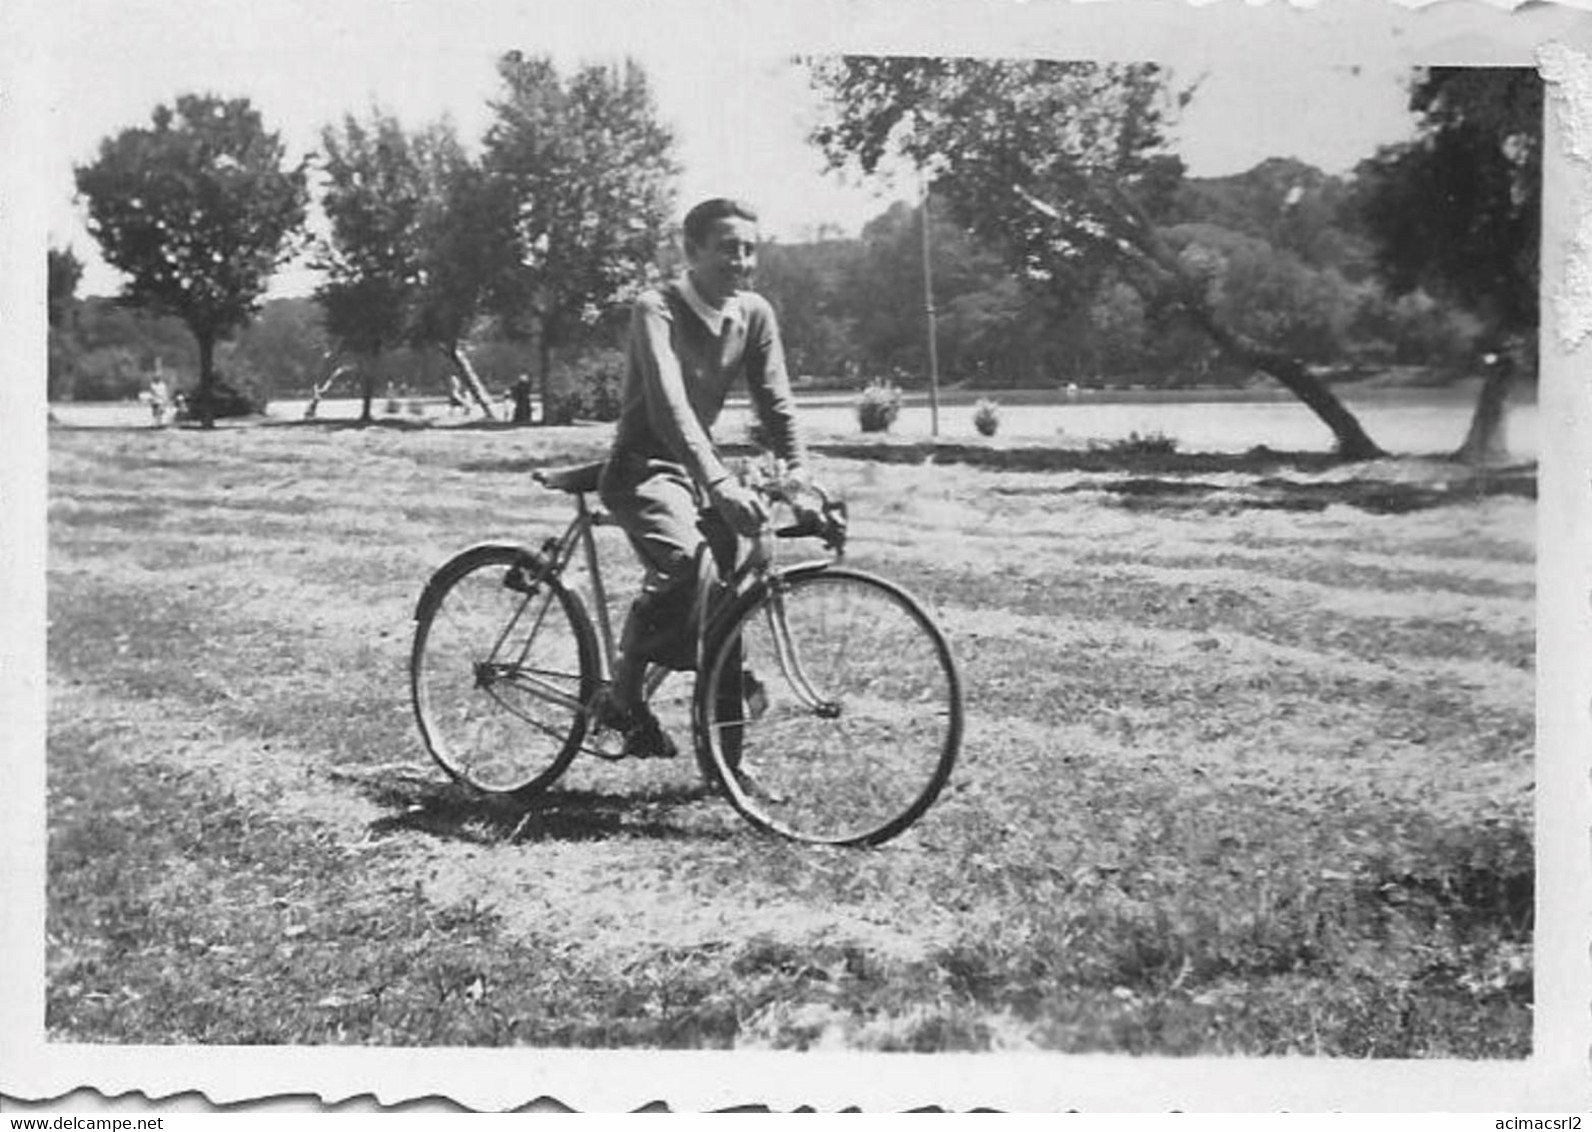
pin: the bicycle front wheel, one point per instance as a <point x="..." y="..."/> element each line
<point x="831" y="709"/>
<point x="501" y="672"/>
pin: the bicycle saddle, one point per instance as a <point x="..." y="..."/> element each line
<point x="579" y="480"/>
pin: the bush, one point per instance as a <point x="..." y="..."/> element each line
<point x="227" y="399"/>
<point x="590" y="388"/>
<point x="879" y="405"/>
<point x="986" y="416"/>
<point x="1137" y="444"/>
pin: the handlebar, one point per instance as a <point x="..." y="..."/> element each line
<point x="826" y="521"/>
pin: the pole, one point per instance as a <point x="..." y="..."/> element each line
<point x="928" y="309"/>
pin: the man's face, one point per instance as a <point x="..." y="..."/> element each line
<point x="723" y="262"/>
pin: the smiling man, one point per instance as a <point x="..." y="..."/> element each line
<point x="691" y="341"/>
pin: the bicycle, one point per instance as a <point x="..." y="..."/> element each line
<point x="827" y="705"/>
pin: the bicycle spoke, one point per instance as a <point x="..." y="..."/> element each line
<point x="501" y="726"/>
<point x="864" y="711"/>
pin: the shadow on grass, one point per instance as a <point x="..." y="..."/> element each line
<point x="1253" y="480"/>
<point x="1379" y="497"/>
<point x="453" y="812"/>
<point x="1260" y="479"/>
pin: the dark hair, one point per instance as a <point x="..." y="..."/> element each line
<point x="702" y="217"/>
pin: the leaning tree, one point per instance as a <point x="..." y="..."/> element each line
<point x="1064" y="166"/>
<point x="587" y="169"/>
<point x="199" y="209"/>
<point x="1457" y="213"/>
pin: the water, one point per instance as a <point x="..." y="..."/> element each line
<point x="1402" y="421"/>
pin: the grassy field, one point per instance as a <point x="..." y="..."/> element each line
<point x="1248" y="768"/>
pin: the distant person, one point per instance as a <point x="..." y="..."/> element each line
<point x="520" y="394"/>
<point x="159" y="400"/>
<point x="664" y="482"/>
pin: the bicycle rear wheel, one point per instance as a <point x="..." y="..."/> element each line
<point x="831" y="709"/>
<point x="500" y="676"/>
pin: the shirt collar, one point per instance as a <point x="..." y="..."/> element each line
<point x="713" y="318"/>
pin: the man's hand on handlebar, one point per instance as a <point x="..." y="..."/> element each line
<point x="740" y="506"/>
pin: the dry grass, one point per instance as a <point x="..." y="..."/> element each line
<point x="1248" y="769"/>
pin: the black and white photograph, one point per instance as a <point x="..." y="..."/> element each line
<point x="890" y="555"/>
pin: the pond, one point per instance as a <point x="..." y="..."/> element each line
<point x="1402" y="421"/>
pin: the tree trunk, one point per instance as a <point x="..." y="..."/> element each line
<point x="205" y="395"/>
<point x="1487" y="442"/>
<point x="544" y="354"/>
<point x="472" y="380"/>
<point x="1352" y="441"/>
<point x="1142" y="237"/>
<point x="367" y="390"/>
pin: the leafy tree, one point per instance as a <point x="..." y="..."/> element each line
<point x="587" y="169"/>
<point x="199" y="211"/>
<point x="806" y="283"/>
<point x="1064" y="166"/>
<point x="285" y="346"/>
<point x="65" y="272"/>
<point x="461" y="251"/>
<point x="413" y="245"/>
<point x="1293" y="206"/>
<point x="373" y="200"/>
<point x="1457" y="213"/>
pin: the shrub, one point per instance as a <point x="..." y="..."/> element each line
<point x="590" y="388"/>
<point x="229" y="397"/>
<point x="879" y="405"/>
<point x="1137" y="444"/>
<point x="986" y="416"/>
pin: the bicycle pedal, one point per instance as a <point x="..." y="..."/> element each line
<point x="516" y="579"/>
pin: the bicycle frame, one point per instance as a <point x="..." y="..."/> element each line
<point x="579" y="538"/>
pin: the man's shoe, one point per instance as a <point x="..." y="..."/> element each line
<point x="645" y="738"/>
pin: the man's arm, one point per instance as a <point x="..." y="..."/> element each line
<point x="768" y="383"/>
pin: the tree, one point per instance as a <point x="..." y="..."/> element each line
<point x="373" y="199"/>
<point x="587" y="170"/>
<point x="1457" y="213"/>
<point x="461" y="246"/>
<point x="63" y="353"/>
<point x="285" y="346"/>
<point x="806" y="284"/>
<point x="1063" y="165"/>
<point x="199" y="211"/>
<point x="65" y="272"/>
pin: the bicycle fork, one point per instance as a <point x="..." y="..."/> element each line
<point x="788" y="656"/>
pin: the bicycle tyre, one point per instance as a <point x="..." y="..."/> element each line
<point x="499" y="677"/>
<point x="864" y="749"/>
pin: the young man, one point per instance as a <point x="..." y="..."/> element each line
<point x="690" y="342"/>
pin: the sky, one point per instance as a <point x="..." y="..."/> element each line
<point x="740" y="108"/>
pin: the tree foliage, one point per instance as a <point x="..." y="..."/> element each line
<point x="1457" y="214"/>
<point x="1064" y="165"/>
<point x="65" y="271"/>
<point x="375" y="192"/>
<point x="411" y="250"/>
<point x="586" y="170"/>
<point x="198" y="209"/>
